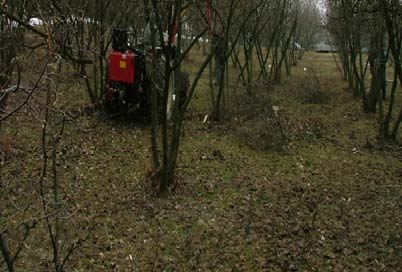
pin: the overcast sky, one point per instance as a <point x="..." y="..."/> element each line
<point x="320" y="4"/>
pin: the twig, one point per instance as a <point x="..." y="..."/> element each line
<point x="3" y="118"/>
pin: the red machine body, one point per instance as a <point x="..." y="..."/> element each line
<point x="122" y="67"/>
<point x="126" y="86"/>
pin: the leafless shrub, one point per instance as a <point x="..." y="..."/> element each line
<point x="310" y="91"/>
<point x="259" y="126"/>
<point x="306" y="128"/>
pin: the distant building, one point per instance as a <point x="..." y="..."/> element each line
<point x="324" y="47"/>
<point x="324" y="42"/>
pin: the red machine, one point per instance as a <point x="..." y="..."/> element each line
<point x="121" y="67"/>
<point x="126" y="85"/>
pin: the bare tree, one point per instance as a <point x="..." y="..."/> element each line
<point x="373" y="26"/>
<point x="171" y="126"/>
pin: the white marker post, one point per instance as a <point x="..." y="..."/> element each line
<point x="276" y="110"/>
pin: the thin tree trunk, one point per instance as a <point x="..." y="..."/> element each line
<point x="6" y="254"/>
